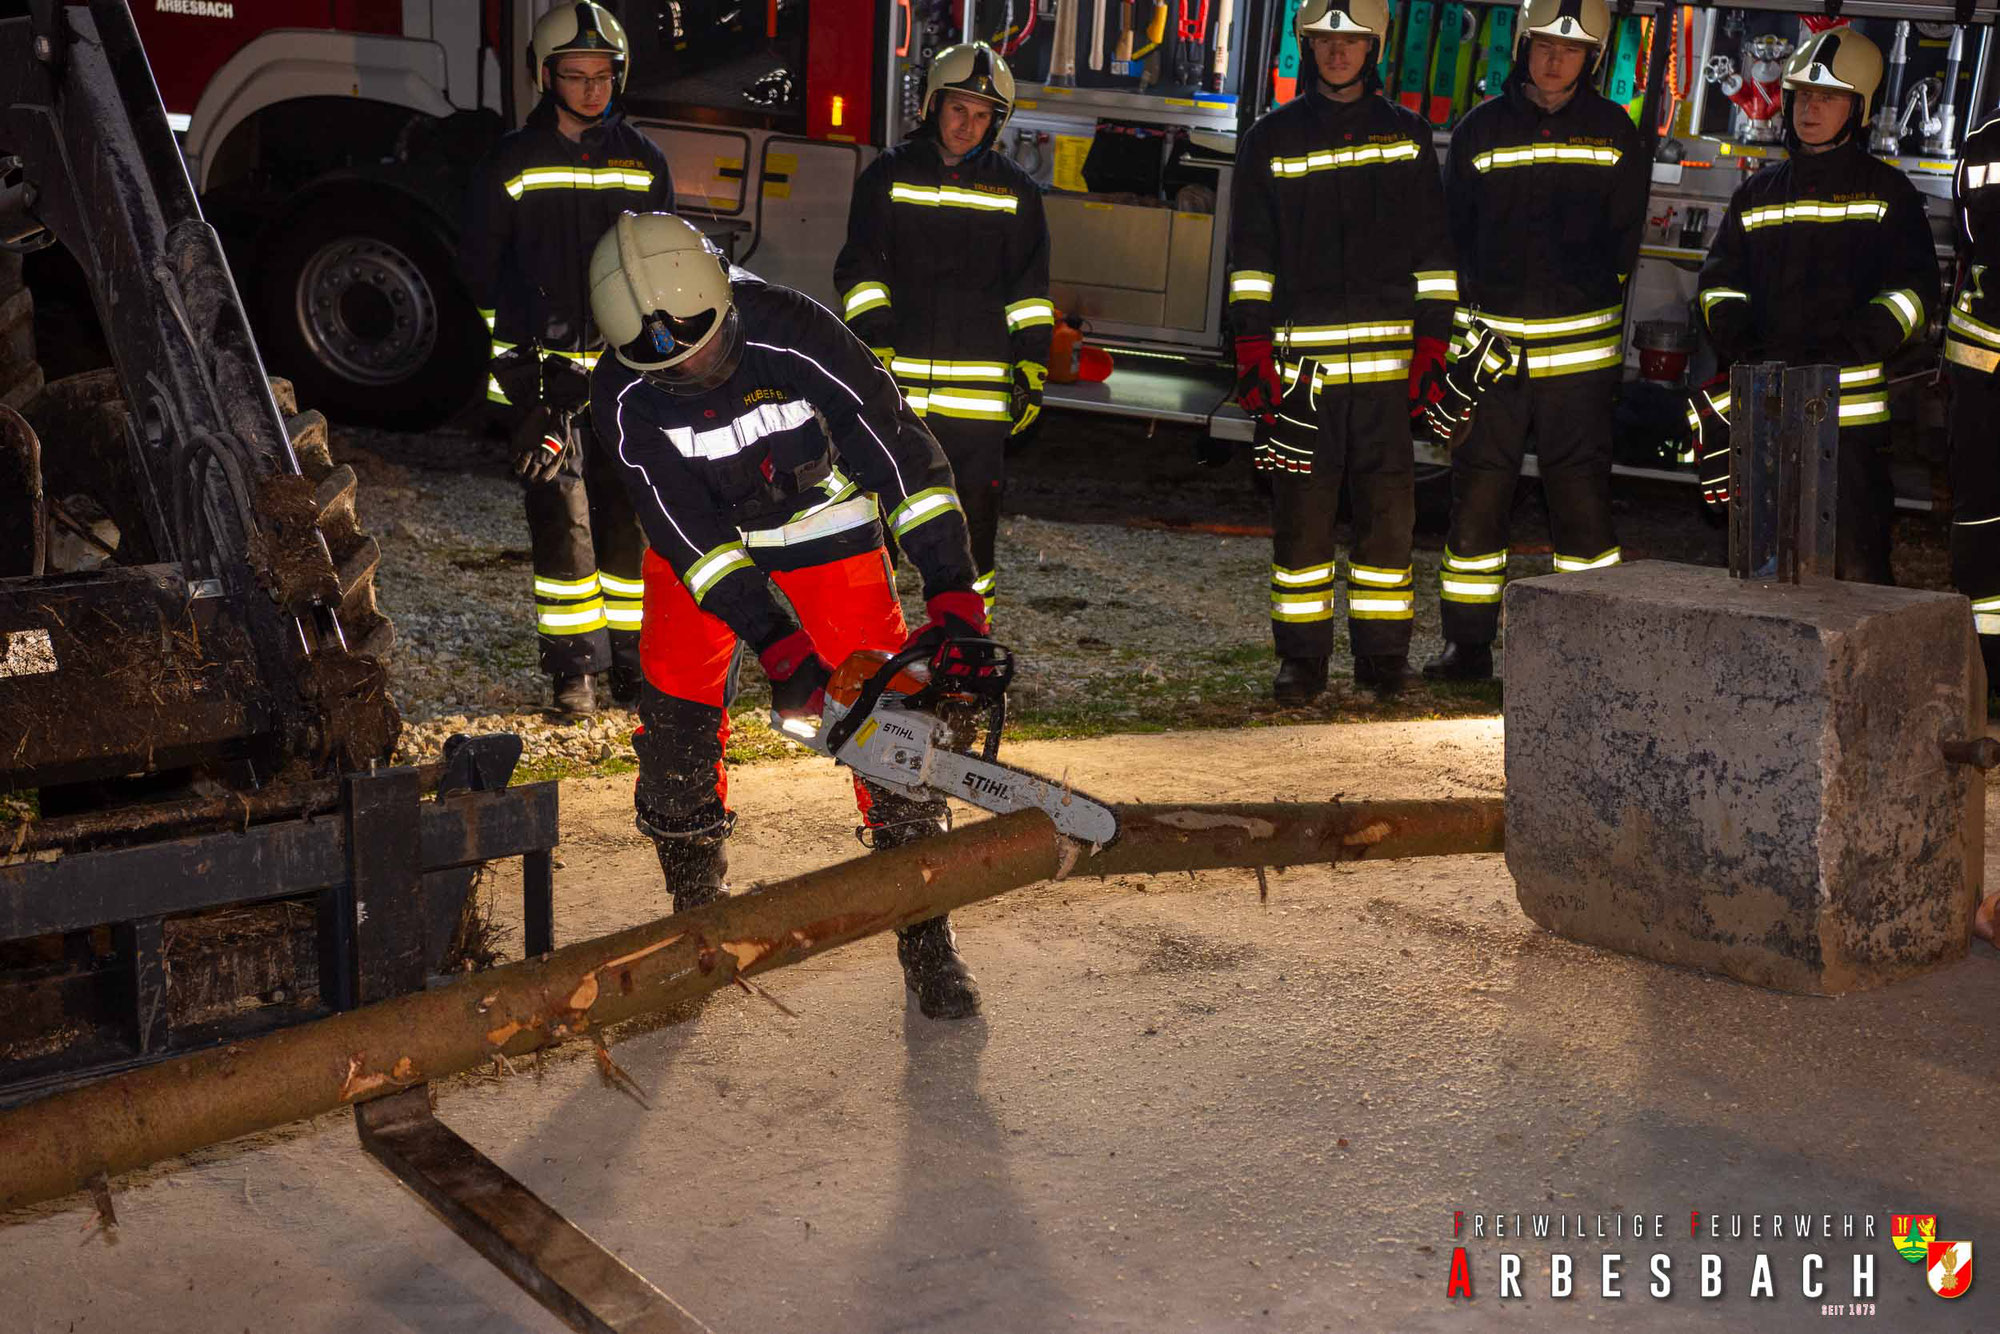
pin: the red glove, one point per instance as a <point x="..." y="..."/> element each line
<point x="798" y="676"/>
<point x="1427" y="373"/>
<point x="1258" y="385"/>
<point x="956" y="615"/>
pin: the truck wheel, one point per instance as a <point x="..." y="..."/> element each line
<point x="362" y="311"/>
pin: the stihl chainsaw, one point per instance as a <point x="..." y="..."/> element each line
<point x="909" y="722"/>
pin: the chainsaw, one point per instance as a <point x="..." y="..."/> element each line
<point x="910" y="721"/>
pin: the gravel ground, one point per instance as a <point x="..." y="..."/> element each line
<point x="1138" y="624"/>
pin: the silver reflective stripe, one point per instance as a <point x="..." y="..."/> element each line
<point x="720" y="442"/>
<point x="821" y="521"/>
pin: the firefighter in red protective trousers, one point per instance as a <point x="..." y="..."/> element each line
<point x="1341" y="289"/>
<point x="539" y="201"/>
<point x="945" y="274"/>
<point x="1826" y="257"/>
<point x="755" y="435"/>
<point x="1972" y="362"/>
<point x="1546" y="187"/>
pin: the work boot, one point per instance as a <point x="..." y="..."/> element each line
<point x="573" y="694"/>
<point x="696" y="862"/>
<point x="1384" y="673"/>
<point x="1461" y="662"/>
<point x="932" y="969"/>
<point x="625" y="681"/>
<point x="1299" y="681"/>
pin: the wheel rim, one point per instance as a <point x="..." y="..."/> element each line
<point x="367" y="311"/>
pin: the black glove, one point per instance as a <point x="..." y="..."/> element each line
<point x="565" y="383"/>
<point x="798" y="676"/>
<point x="541" y="442"/>
<point x="1477" y="369"/>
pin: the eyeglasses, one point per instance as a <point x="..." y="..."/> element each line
<point x="579" y="82"/>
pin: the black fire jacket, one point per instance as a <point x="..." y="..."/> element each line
<point x="780" y="467"/>
<point x="1824" y="257"/>
<point x="537" y="207"/>
<point x="1547" y="211"/>
<point x="948" y="267"/>
<point x="1972" y="328"/>
<point x="1337" y="238"/>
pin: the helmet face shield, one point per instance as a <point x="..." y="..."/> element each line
<point x="707" y="364"/>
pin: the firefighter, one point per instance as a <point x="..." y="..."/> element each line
<point x="1972" y="358"/>
<point x="539" y="201"/>
<point x="755" y="435"/>
<point x="1341" y="289"/>
<point x="1546" y="190"/>
<point x="1826" y="257"/>
<point x="945" y="274"/>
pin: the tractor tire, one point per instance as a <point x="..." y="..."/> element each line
<point x="356" y="554"/>
<point x="20" y="373"/>
<point x="361" y="307"/>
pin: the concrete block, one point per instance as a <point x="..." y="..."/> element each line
<point x="1745" y="778"/>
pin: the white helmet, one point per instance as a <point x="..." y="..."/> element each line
<point x="1361" y="17"/>
<point x="660" y="295"/>
<point x="1584" y="21"/>
<point x="583" y="28"/>
<point x="976" y="70"/>
<point x="1839" y="60"/>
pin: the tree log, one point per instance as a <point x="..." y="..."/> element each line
<point x="58" y="1143"/>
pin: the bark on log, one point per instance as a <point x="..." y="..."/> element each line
<point x="56" y="1144"/>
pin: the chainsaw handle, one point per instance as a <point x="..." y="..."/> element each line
<point x="871" y="695"/>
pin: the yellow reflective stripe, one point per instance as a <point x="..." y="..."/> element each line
<point x="1806" y="210"/>
<point x="1457" y="564"/>
<point x="1570" y="564"/>
<point x="579" y="178"/>
<point x="978" y="404"/>
<point x="1959" y="322"/>
<point x="1905" y="305"/>
<point x="984" y="584"/>
<point x="1311" y="574"/>
<point x="945" y="196"/>
<point x="1975" y="358"/>
<point x="1361" y="370"/>
<point x="918" y="369"/>
<point x="487" y="315"/>
<point x="624" y="588"/>
<point x="1529" y="155"/>
<point x="572" y="622"/>
<point x="566" y="588"/>
<point x="621" y="615"/>
<point x="494" y="393"/>
<point x="1437" y="285"/>
<point x="1551" y="327"/>
<point x="862" y="298"/>
<point x="715" y="566"/>
<point x="1251" y="285"/>
<point x="1298" y="610"/>
<point x="1323" y="335"/>
<point x="1871" y="373"/>
<point x="1471" y="587"/>
<point x="500" y="347"/>
<point x="1864" y="408"/>
<point x="1377" y="577"/>
<point x="1029" y="313"/>
<point x="1330" y="159"/>
<point x="922" y="507"/>
<point x="1569" y="358"/>
<point x="1714" y="296"/>
<point x="1382" y="606"/>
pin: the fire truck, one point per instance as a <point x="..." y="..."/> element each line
<point x="331" y="141"/>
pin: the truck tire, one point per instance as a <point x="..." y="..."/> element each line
<point x="361" y="308"/>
